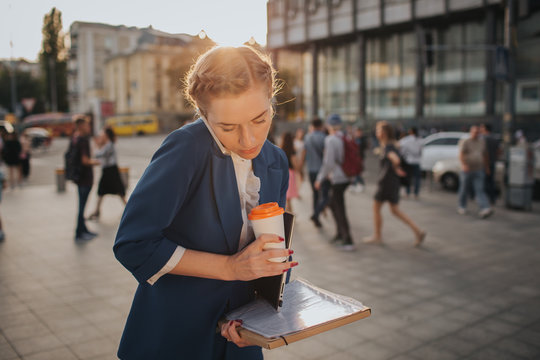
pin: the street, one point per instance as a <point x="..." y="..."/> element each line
<point x="471" y="292"/>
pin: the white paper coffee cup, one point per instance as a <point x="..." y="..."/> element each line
<point x="268" y="219"/>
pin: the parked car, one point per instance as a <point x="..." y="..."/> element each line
<point x="440" y="146"/>
<point x="40" y="138"/>
<point x="446" y="172"/>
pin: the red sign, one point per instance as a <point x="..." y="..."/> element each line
<point x="107" y="108"/>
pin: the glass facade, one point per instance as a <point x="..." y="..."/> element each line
<point x="455" y="82"/>
<point x="390" y="76"/>
<point x="455" y="79"/>
<point x="528" y="66"/>
<point x="338" y="80"/>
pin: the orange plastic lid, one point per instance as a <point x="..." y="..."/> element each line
<point x="264" y="211"/>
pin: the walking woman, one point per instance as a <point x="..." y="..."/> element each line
<point x="184" y="234"/>
<point x="110" y="182"/>
<point x="388" y="185"/>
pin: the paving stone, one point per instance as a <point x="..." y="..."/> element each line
<point x="62" y="353"/>
<point x="36" y="344"/>
<point x="467" y="293"/>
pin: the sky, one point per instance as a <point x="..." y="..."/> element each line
<point x="228" y="22"/>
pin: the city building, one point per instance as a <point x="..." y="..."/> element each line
<point x="432" y="63"/>
<point x="91" y="45"/>
<point x="148" y="79"/>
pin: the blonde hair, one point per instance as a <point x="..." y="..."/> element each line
<point x="225" y="71"/>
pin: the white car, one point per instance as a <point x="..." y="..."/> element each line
<point x="440" y="146"/>
<point x="446" y="172"/>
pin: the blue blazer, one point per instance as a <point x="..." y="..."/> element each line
<point x="188" y="196"/>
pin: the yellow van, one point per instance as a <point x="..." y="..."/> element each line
<point x="133" y="124"/>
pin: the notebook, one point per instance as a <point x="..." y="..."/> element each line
<point x="271" y="288"/>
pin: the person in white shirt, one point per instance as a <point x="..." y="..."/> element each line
<point x="410" y="148"/>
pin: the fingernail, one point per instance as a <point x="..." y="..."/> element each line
<point x="286" y="270"/>
<point x="240" y="321"/>
<point x="291" y="252"/>
<point x="230" y="323"/>
<point x="293" y="264"/>
<point x="281" y="239"/>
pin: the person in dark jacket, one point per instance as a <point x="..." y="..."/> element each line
<point x="11" y="154"/>
<point x="185" y="235"/>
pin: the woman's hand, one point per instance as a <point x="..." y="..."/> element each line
<point x="252" y="262"/>
<point x="228" y="331"/>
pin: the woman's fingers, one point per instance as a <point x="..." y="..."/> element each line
<point x="267" y="238"/>
<point x="231" y="334"/>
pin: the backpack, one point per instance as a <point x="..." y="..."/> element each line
<point x="352" y="161"/>
<point x="72" y="162"/>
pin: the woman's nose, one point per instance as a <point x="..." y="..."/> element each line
<point x="247" y="139"/>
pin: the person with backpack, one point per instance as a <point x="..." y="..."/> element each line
<point x="388" y="185"/>
<point x="78" y="168"/>
<point x="332" y="169"/>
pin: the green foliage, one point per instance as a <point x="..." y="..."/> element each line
<point x="27" y="87"/>
<point x="52" y="59"/>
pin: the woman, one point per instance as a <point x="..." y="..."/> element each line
<point x="11" y="154"/>
<point x="287" y="145"/>
<point x="184" y="234"/>
<point x="110" y="182"/>
<point x="388" y="185"/>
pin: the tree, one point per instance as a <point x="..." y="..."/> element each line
<point x="53" y="61"/>
<point x="27" y="87"/>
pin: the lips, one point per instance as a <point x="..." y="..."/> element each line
<point x="250" y="151"/>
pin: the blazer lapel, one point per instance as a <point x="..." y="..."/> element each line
<point x="227" y="198"/>
<point x="270" y="176"/>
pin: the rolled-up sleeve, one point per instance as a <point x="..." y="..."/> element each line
<point x="140" y="244"/>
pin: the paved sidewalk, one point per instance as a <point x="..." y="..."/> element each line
<point x="471" y="292"/>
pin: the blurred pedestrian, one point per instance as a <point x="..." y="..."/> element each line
<point x="361" y="141"/>
<point x="388" y="185"/>
<point x="410" y="147"/>
<point x="26" y="149"/>
<point x="110" y="182"/>
<point x="493" y="149"/>
<point x="2" y="186"/>
<point x="331" y="169"/>
<point x="314" y="147"/>
<point x="81" y="143"/>
<point x="474" y="167"/>
<point x="300" y="153"/>
<point x="11" y="154"/>
<point x="287" y="145"/>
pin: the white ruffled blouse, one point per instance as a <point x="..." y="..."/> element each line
<point x="249" y="186"/>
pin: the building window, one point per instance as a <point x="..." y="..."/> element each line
<point x="390" y="76"/>
<point x="338" y="81"/>
<point x="455" y="84"/>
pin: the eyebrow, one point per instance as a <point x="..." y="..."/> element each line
<point x="256" y="117"/>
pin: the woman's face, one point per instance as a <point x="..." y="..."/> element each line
<point x="241" y="122"/>
<point x="379" y="133"/>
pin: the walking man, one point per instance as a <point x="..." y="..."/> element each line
<point x="314" y="147"/>
<point x="411" y="149"/>
<point x="81" y="142"/>
<point x="333" y="157"/>
<point x="474" y="165"/>
<point x="492" y="148"/>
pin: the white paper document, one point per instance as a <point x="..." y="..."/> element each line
<point x="304" y="306"/>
